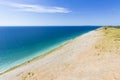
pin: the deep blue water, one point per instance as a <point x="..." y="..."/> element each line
<point x="19" y="44"/>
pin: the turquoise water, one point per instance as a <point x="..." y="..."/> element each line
<point x="20" y="44"/>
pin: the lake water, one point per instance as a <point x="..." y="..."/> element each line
<point x="20" y="44"/>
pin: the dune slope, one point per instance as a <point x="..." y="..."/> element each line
<point x="92" y="56"/>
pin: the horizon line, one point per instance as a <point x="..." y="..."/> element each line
<point x="50" y="25"/>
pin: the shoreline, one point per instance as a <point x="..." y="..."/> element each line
<point x="91" y="56"/>
<point x="70" y="56"/>
<point x="44" y="54"/>
<point x="36" y="58"/>
<point x="17" y="69"/>
<point x="29" y="48"/>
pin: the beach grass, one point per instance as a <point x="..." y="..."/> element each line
<point x="110" y="39"/>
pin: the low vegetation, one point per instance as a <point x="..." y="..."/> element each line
<point x="27" y="76"/>
<point x="110" y="40"/>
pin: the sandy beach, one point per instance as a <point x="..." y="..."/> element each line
<point x="92" y="56"/>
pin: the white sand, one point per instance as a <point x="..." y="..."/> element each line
<point x="77" y="60"/>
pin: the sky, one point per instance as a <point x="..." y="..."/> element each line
<point x="59" y="12"/>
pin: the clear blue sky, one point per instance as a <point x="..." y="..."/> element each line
<point x="59" y="12"/>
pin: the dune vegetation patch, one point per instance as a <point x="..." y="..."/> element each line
<point x="110" y="40"/>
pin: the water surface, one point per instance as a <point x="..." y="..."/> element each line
<point x="20" y="44"/>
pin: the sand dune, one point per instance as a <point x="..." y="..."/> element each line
<point x="92" y="56"/>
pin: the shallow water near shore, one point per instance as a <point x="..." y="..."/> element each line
<point x="20" y="44"/>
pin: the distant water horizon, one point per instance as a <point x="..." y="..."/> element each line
<point x="19" y="44"/>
